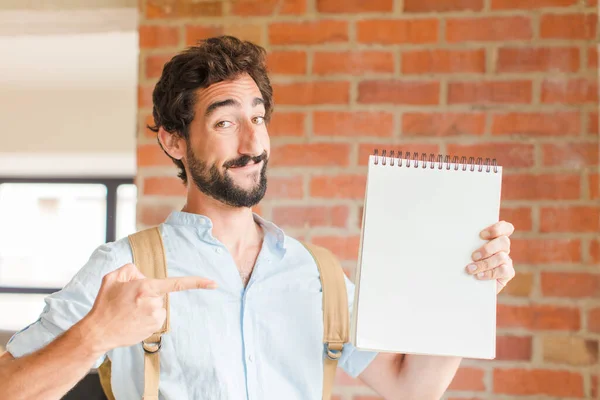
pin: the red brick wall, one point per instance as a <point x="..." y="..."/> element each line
<point x="511" y="79"/>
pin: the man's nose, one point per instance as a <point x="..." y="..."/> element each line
<point x="250" y="143"/>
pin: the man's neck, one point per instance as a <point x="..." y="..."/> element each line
<point x="233" y="226"/>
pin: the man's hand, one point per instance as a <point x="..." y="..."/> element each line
<point x="129" y="307"/>
<point x="492" y="260"/>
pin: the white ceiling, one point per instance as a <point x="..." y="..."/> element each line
<point x="19" y="22"/>
<point x="65" y="4"/>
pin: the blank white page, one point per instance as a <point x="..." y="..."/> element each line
<point x="420" y="227"/>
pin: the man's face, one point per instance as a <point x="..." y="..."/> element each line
<point x="229" y="147"/>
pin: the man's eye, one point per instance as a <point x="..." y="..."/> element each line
<point x="258" y="120"/>
<point x="223" y="124"/>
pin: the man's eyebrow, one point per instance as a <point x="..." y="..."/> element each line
<point x="217" y="104"/>
<point x="229" y="103"/>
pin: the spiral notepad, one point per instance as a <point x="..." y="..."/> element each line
<point x="421" y="223"/>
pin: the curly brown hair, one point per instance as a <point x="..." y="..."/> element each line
<point x="212" y="60"/>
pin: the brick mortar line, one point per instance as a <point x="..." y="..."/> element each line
<point x="398" y="7"/>
<point x="585" y="190"/>
<point x="558" y="235"/>
<point x="462" y="77"/>
<point x="353" y="155"/>
<point x="141" y="7"/>
<point x="311" y="16"/>
<point x="530" y="203"/>
<point x="311" y="7"/>
<point x="398" y="130"/>
<point x="491" y="60"/>
<point x="467" y="45"/>
<point x="459" y="77"/>
<point x="583" y="55"/>
<point x="345" y="232"/>
<point x="454" y="77"/>
<point x="536" y="90"/>
<point x="538" y="156"/>
<point x="491" y="365"/>
<point x="536" y="25"/>
<point x="397" y="54"/>
<point x="442" y="32"/>
<point x="522" y="331"/>
<point x="457" y="139"/>
<point x="587" y="384"/>
<point x="537" y="299"/>
<point x="537" y="350"/>
<point x="444" y="91"/>
<point x="305" y="185"/>
<point x="350" y="170"/>
<point x="455" y="108"/>
<point x="308" y="125"/>
<point x="463" y="45"/>
<point x="310" y="60"/>
<point x="535" y="218"/>
<point x="579" y="268"/>
<point x="264" y="33"/>
<point x="548" y="108"/>
<point x="585" y="322"/>
<point x="353" y="95"/>
<point x="352" y="32"/>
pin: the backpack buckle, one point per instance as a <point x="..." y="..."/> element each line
<point x="334" y="351"/>
<point x="152" y="347"/>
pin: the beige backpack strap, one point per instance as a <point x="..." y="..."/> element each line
<point x="335" y="312"/>
<point x="105" y="375"/>
<point x="149" y="258"/>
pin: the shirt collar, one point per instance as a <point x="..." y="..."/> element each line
<point x="204" y="225"/>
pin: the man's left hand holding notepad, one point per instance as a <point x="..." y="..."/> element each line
<point x="492" y="260"/>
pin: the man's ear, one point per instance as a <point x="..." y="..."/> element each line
<point x="172" y="143"/>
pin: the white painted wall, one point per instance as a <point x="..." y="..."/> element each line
<point x="68" y="96"/>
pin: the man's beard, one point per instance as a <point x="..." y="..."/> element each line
<point x="221" y="187"/>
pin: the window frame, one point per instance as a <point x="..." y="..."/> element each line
<point x="111" y="184"/>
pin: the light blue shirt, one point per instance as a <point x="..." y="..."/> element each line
<point x="261" y="342"/>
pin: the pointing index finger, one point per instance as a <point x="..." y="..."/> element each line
<point x="178" y="284"/>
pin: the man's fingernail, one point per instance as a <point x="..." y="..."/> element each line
<point x="212" y="285"/>
<point x="476" y="256"/>
<point x="480" y="275"/>
<point x="472" y="267"/>
<point x="485" y="234"/>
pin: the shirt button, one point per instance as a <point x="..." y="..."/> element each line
<point x="250" y="357"/>
<point x="219" y="250"/>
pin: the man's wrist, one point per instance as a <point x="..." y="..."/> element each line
<point x="90" y="337"/>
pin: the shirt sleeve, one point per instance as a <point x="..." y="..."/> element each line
<point x="69" y="305"/>
<point x="354" y="361"/>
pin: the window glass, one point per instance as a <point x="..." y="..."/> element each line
<point x="19" y="310"/>
<point x="49" y="231"/>
<point x="126" y="203"/>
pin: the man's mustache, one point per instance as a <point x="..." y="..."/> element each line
<point x="245" y="159"/>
